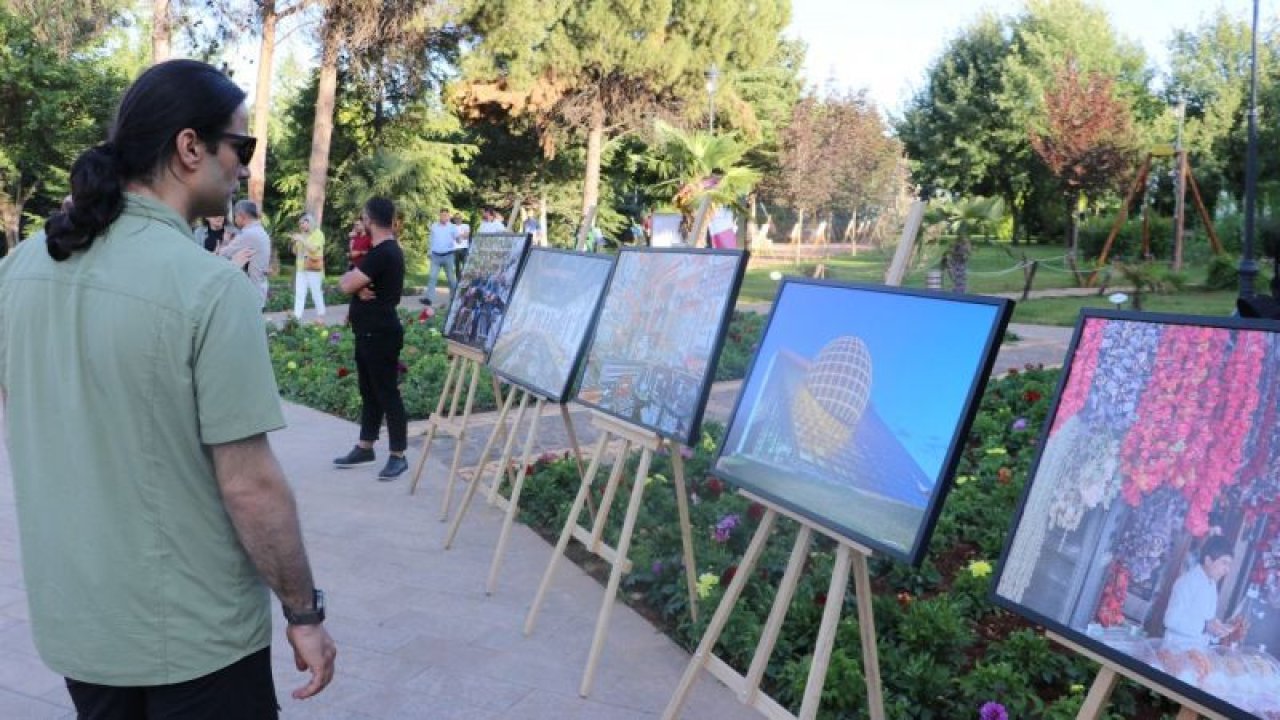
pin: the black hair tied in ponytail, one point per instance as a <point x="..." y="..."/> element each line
<point x="97" y="199"/>
<point x="164" y="100"/>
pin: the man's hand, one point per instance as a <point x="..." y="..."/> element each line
<point x="313" y="650"/>
<point x="241" y="257"/>
<point x="367" y="293"/>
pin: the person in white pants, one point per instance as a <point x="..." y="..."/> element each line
<point x="308" y="248"/>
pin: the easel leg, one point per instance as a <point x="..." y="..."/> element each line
<point x="504" y="463"/>
<point x="1099" y="694"/>
<point x="721" y="616"/>
<point x="610" y="490"/>
<point x="777" y="614"/>
<point x="615" y="575"/>
<point x="434" y="422"/>
<point x="498" y="429"/>
<point x="479" y="474"/>
<point x="513" y="504"/>
<point x="570" y="523"/>
<point x="827" y="636"/>
<point x="686" y="538"/>
<point x="577" y="454"/>
<point x="867" y="626"/>
<point x="459" y="441"/>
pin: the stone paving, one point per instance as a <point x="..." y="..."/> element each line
<point x="417" y="636"/>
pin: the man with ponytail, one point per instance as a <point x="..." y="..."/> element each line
<point x="137" y="388"/>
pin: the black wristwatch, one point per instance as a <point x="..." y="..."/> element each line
<point x="313" y="615"/>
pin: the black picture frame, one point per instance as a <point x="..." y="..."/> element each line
<point x="529" y="277"/>
<point x="986" y="350"/>
<point x="1093" y="637"/>
<point x="654" y="304"/>
<point x="516" y="246"/>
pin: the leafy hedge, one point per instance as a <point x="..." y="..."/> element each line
<point x="945" y="649"/>
<point x="315" y="366"/>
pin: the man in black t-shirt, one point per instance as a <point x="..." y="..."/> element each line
<point x="375" y="288"/>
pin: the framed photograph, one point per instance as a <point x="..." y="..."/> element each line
<point x="857" y="405"/>
<point x="653" y="353"/>
<point x="484" y="290"/>
<point x="544" y="333"/>
<point x="666" y="230"/>
<point x="1149" y="529"/>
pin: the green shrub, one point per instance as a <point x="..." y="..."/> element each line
<point x="1223" y="272"/>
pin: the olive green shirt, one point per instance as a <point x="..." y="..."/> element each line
<point x="121" y="366"/>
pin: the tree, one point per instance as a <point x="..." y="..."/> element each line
<point x="376" y="31"/>
<point x="1087" y="138"/>
<point x="695" y="166"/>
<point x="836" y="156"/>
<point x="961" y="219"/>
<point x="606" y="67"/>
<point x="67" y="25"/>
<point x="51" y="108"/>
<point x="161" y="31"/>
<point x="271" y="14"/>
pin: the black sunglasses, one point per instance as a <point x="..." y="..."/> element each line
<point x="244" y="145"/>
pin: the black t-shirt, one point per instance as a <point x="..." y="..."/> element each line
<point x="212" y="238"/>
<point x="385" y="267"/>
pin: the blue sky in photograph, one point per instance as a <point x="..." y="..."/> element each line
<point x="924" y="353"/>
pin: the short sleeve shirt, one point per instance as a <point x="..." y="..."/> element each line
<point x="384" y="266"/>
<point x="121" y="366"/>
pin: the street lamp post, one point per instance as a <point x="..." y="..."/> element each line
<point x="1248" y="265"/>
<point x="713" y="81"/>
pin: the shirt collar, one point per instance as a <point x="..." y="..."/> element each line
<point x="143" y="206"/>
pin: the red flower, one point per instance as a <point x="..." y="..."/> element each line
<point x="755" y="511"/>
<point x="1004" y="476"/>
<point x="726" y="577"/>
<point x="1032" y="396"/>
<point x="423" y="317"/>
<point x="820" y="599"/>
<point x="904" y="598"/>
<point x="343" y="372"/>
<point x="715" y="486"/>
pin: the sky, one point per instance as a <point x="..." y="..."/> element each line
<point x="886" y="46"/>
<point x="920" y="379"/>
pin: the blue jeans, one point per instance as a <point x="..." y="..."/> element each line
<point x="439" y="261"/>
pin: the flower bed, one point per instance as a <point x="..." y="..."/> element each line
<point x="945" y="650"/>
<point x="315" y="366"/>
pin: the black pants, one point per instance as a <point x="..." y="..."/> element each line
<point x="460" y="257"/>
<point x="243" y="690"/>
<point x="378" y="369"/>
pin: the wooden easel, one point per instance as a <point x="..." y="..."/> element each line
<point x="848" y="556"/>
<point x="510" y="505"/>
<point x="462" y="358"/>
<point x="613" y="429"/>
<point x="1105" y="682"/>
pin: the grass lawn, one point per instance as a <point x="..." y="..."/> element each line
<point x="991" y="270"/>
<point x="1063" y="311"/>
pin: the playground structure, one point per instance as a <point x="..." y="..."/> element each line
<point x="1183" y="178"/>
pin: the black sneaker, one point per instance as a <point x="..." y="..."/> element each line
<point x="357" y="457"/>
<point x="395" y="467"/>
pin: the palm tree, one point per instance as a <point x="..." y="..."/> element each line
<point x="959" y="219"/>
<point x="695" y="166"/>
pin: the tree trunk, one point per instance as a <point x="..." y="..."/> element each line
<point x="542" y="219"/>
<point x="322" y="132"/>
<point x="262" y="103"/>
<point x="797" y="234"/>
<point x="595" y="152"/>
<point x="11" y="214"/>
<point x="161" y="29"/>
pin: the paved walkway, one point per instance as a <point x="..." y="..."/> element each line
<point x="417" y="636"/>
